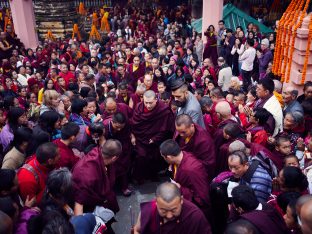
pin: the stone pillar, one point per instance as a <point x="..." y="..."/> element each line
<point x="24" y="22"/>
<point x="212" y="13"/>
<point x="298" y="58"/>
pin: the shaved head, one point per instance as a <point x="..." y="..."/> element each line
<point x="223" y="108"/>
<point x="306" y="217"/>
<point x="237" y="146"/>
<point x="110" y="105"/>
<point x="168" y="192"/>
<point x="111" y="148"/>
<point x="150" y="94"/>
<point x="184" y="120"/>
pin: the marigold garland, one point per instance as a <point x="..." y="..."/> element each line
<point x="286" y="46"/>
<point x="307" y="54"/>
<point x="294" y="35"/>
<point x="277" y="56"/>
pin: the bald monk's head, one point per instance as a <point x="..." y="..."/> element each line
<point x="6" y="224"/>
<point x="223" y="110"/>
<point x="185" y="126"/>
<point x="110" y="105"/>
<point x="241" y="226"/>
<point x="150" y="100"/>
<point x="169" y="201"/>
<point x="306" y="217"/>
<point x="301" y="201"/>
<point x="111" y="150"/>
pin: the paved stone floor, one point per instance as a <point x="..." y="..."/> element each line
<point x="142" y="193"/>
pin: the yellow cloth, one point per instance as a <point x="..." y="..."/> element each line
<point x="279" y="98"/>
<point x="82" y="10"/>
<point x="135" y="68"/>
<point x="104" y="23"/>
<point x="76" y="32"/>
<point x="95" y="21"/>
<point x="94" y="34"/>
<point x="40" y="95"/>
<point x="175" y="169"/>
<point x="187" y="140"/>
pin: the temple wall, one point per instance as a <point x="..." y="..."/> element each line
<point x="298" y="59"/>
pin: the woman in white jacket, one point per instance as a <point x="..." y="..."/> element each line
<point x="237" y="50"/>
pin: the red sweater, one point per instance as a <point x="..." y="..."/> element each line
<point x="29" y="185"/>
<point x="67" y="157"/>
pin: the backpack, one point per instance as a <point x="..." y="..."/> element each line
<point x="265" y="162"/>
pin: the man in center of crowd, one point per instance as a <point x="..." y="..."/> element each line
<point x="152" y="123"/>
<point x="170" y="213"/>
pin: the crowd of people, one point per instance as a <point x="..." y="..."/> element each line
<point x="82" y="120"/>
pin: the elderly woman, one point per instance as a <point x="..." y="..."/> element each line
<point x="235" y="85"/>
<point x="292" y="123"/>
<point x="51" y="102"/>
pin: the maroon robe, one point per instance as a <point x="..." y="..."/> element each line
<point x="191" y="174"/>
<point x="123" y="163"/>
<point x="136" y="99"/>
<point x="135" y="75"/>
<point x="219" y="141"/>
<point x="202" y="147"/>
<point x="278" y="159"/>
<point x="67" y="157"/>
<point x="121" y="107"/>
<point x="158" y="125"/>
<point x="267" y="220"/>
<point x="190" y="221"/>
<point x="121" y="99"/>
<point x="93" y="182"/>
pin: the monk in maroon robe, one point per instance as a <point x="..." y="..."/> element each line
<point x="196" y="140"/>
<point x="110" y="107"/>
<point x="170" y="214"/>
<point x="94" y="177"/>
<point x="263" y="216"/>
<point x="137" y="97"/>
<point x="152" y="123"/>
<point x="136" y="71"/>
<point x="189" y="173"/>
<point x="124" y="94"/>
<point x="118" y="128"/>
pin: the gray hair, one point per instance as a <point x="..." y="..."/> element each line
<point x="278" y="86"/>
<point x="205" y="101"/>
<point x="296" y="116"/>
<point x="141" y="87"/>
<point x="150" y="94"/>
<point x="237" y="146"/>
<point x="59" y="182"/>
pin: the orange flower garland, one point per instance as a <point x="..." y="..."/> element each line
<point x="294" y="34"/>
<point x="278" y="48"/>
<point x="307" y="54"/>
<point x="291" y="22"/>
